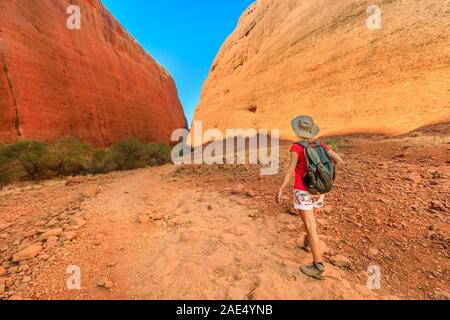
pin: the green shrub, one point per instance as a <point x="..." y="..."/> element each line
<point x="32" y="160"/>
<point x="7" y="174"/>
<point x="156" y="154"/>
<point x="28" y="158"/>
<point x="125" y="155"/>
<point x="68" y="156"/>
<point x="334" y="144"/>
<point x="97" y="163"/>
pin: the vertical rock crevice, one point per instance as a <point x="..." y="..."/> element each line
<point x="13" y="95"/>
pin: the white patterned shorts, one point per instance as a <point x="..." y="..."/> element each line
<point x="306" y="202"/>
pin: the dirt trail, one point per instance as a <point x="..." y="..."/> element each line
<point x="199" y="245"/>
<point x="171" y="233"/>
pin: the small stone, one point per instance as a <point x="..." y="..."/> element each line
<point x="374" y="252"/>
<point x="251" y="194"/>
<point x="237" y="189"/>
<point x="52" y="233"/>
<point x="105" y="283"/>
<point x="72" y="181"/>
<point x="437" y="205"/>
<point x="414" y="177"/>
<point x="242" y="202"/>
<point x="432" y="235"/>
<point x="30" y="234"/>
<point x="28" y="253"/>
<point x="52" y="223"/>
<point x="8" y="283"/>
<point x="340" y="261"/>
<point x="143" y="219"/>
<point x="52" y="241"/>
<point x="69" y="235"/>
<point x="13" y="270"/>
<point x="78" y="222"/>
<point x="40" y="223"/>
<point x="44" y="256"/>
<point x="24" y="267"/>
<point x="158" y="216"/>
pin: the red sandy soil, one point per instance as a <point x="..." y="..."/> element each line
<point x="216" y="233"/>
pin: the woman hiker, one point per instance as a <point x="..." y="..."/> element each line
<point x="307" y="204"/>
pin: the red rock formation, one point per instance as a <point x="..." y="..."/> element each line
<point x="96" y="84"/>
<point x="318" y="57"/>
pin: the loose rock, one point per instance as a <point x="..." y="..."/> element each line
<point x="69" y="235"/>
<point x="143" y="219"/>
<point x="28" y="253"/>
<point x="77" y="222"/>
<point x="2" y="271"/>
<point x="72" y="181"/>
<point x="105" y="283"/>
<point x="340" y="261"/>
<point x="52" y="233"/>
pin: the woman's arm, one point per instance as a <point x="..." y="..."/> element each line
<point x="289" y="174"/>
<point x="336" y="158"/>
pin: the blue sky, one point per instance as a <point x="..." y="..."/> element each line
<point x="182" y="35"/>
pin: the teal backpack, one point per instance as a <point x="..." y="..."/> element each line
<point x="320" y="171"/>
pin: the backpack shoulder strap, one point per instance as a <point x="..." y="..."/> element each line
<point x="306" y="144"/>
<point x="303" y="144"/>
<point x="306" y="147"/>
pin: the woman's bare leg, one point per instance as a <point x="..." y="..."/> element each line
<point x="309" y="220"/>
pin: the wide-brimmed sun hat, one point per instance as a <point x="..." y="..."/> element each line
<point x="305" y="127"/>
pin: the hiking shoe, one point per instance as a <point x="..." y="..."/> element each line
<point x="314" y="270"/>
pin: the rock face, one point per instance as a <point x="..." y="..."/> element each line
<point x="96" y="83"/>
<point x="318" y="57"/>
